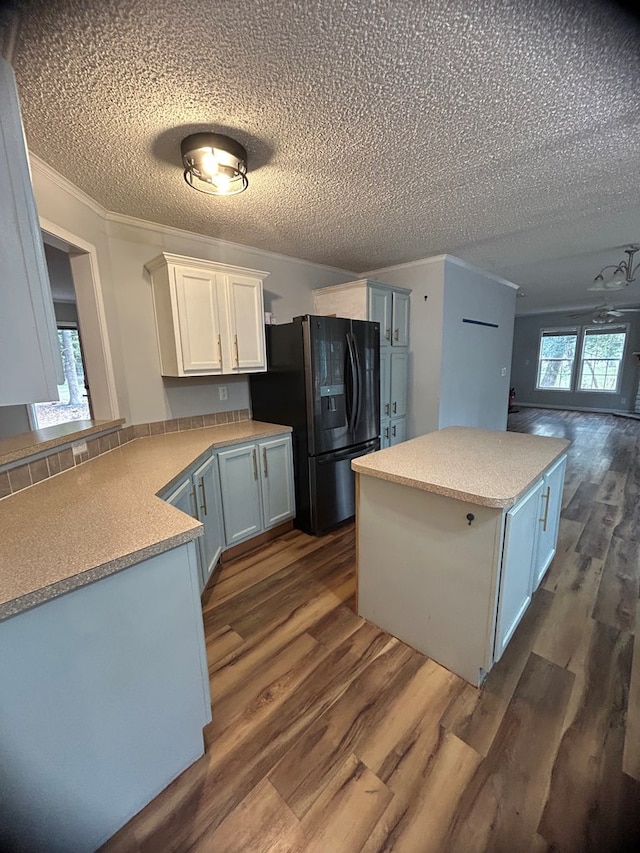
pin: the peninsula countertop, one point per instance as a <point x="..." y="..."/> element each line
<point x="103" y="515"/>
<point x="484" y="467"/>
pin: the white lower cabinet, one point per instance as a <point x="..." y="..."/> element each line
<point x="518" y="558"/>
<point x="278" y="503"/>
<point x="199" y="496"/>
<point x="209" y="511"/>
<point x="240" y="484"/>
<point x="549" y="520"/>
<point x="237" y="493"/>
<point x="256" y="480"/>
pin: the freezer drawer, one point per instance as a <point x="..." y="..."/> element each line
<point x="332" y="486"/>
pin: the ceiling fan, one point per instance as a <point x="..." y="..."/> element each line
<point x="604" y="313"/>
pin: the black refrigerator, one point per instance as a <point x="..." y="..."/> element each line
<point x="322" y="379"/>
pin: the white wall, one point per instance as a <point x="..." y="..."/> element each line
<point x="454" y="367"/>
<point x="473" y="390"/>
<point x="123" y="246"/>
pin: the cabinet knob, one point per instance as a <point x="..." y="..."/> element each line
<point x="470" y="517"/>
<point x="387" y="334"/>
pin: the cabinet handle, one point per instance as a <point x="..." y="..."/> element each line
<point x="204" y="496"/>
<point x="195" y="502"/>
<point x="237" y="356"/>
<point x="545" y="498"/>
<point x="255" y="464"/>
<point x="264" y="461"/>
<point x="395" y="408"/>
<point x="220" y="350"/>
<point x="386" y="432"/>
<point x="396" y="335"/>
<point x="387" y="334"/>
<point x="394" y="430"/>
<point x="386" y="408"/>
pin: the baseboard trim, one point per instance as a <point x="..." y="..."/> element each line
<point x="255" y="542"/>
<point x="573" y="408"/>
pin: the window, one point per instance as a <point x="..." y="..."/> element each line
<point x="73" y="401"/>
<point x="555" y="361"/>
<point x="601" y="350"/>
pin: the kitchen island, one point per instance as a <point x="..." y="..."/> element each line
<point x="455" y="530"/>
<point x="104" y="685"/>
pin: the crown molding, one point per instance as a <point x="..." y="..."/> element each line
<point x="439" y="259"/>
<point x="171" y="230"/>
<point x="39" y="166"/>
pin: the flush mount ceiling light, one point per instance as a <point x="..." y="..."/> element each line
<point x="622" y="276"/>
<point x="214" y="164"/>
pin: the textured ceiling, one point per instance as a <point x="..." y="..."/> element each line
<point x="506" y="132"/>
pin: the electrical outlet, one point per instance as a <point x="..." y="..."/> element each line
<point x="504" y="371"/>
<point x="222" y="392"/>
<point x="79" y="447"/>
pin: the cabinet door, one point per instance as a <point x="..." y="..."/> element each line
<point x="517" y="560"/>
<point x="398" y="391"/>
<point x="246" y="314"/>
<point x="29" y="351"/>
<point x="278" y="502"/>
<point x="385" y="383"/>
<point x="385" y="433"/>
<point x="240" y="487"/>
<point x="549" y="519"/>
<point x="397" y="430"/>
<point x="206" y="484"/>
<point x="400" y="320"/>
<point x="198" y="315"/>
<point x="183" y="498"/>
<point x="380" y="305"/>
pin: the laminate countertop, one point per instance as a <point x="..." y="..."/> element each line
<point x="104" y="515"/>
<point x="480" y="466"/>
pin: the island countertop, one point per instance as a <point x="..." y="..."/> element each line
<point x="483" y="467"/>
<point x="103" y="515"/>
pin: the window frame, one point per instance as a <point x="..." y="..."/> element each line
<point x="625" y="328"/>
<point x="548" y="332"/>
<point x="581" y="333"/>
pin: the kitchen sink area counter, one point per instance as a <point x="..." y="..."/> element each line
<point x="103" y="663"/>
<point x="98" y="518"/>
<point x="455" y="531"/>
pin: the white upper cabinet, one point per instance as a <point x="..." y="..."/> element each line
<point x="209" y="317"/>
<point x="29" y="348"/>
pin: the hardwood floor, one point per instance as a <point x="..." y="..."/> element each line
<point x="330" y="736"/>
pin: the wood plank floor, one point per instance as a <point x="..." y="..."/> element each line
<point x="330" y="736"/>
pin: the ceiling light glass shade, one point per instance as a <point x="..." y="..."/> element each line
<point x="214" y="164"/>
<point x="614" y="282"/>
<point x="623" y="273"/>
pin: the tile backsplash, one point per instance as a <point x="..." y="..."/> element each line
<point x="48" y="463"/>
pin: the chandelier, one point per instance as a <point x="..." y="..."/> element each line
<point x="622" y="276"/>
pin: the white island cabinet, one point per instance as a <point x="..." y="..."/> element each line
<point x="455" y="530"/>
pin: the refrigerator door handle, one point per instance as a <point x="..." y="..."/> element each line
<point x="358" y="406"/>
<point x="352" y="401"/>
